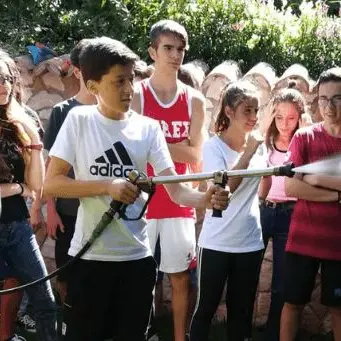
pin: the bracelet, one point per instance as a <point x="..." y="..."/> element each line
<point x="22" y="188"/>
<point x="38" y="146"/>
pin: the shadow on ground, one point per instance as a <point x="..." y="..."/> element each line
<point x="164" y="327"/>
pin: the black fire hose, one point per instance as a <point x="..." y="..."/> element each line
<point x="103" y="223"/>
<point x="147" y="185"/>
<point x="116" y="207"/>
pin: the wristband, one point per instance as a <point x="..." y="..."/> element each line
<point x="22" y="188"/>
<point x="38" y="146"/>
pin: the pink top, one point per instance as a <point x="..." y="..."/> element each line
<point x="277" y="191"/>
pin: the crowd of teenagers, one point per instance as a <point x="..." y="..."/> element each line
<point x="165" y="119"/>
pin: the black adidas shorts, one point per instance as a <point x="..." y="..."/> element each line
<point x="109" y="300"/>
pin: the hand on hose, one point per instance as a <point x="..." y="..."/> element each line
<point x="123" y="191"/>
<point x="217" y="197"/>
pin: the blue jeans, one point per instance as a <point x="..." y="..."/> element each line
<point x="275" y="224"/>
<point x="20" y="251"/>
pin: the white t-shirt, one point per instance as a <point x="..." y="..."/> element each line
<point x="99" y="148"/>
<point x="239" y="229"/>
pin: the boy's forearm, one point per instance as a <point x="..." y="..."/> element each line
<point x="62" y="186"/>
<point x="301" y="190"/>
<point x="329" y="182"/>
<point x="191" y="198"/>
<point x="181" y="152"/>
<point x="186" y="196"/>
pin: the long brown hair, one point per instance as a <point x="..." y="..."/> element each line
<point x="8" y="130"/>
<point x="286" y="95"/>
<point x="233" y="95"/>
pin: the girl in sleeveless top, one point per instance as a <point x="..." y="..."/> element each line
<point x="21" y="154"/>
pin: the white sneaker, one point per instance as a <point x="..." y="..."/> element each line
<point x="17" y="338"/>
<point x="28" y="323"/>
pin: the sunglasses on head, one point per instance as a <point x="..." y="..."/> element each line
<point x="4" y="79"/>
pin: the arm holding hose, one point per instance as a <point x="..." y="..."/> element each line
<point x="215" y="197"/>
<point x="58" y="184"/>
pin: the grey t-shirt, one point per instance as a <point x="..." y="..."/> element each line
<point x="59" y="112"/>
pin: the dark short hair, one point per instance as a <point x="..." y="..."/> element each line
<point x="76" y="52"/>
<point x="141" y="69"/>
<point x="99" y="55"/>
<point x="167" y="27"/>
<point x="330" y="75"/>
<point x="186" y="77"/>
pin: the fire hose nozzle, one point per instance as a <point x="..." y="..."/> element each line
<point x="286" y="170"/>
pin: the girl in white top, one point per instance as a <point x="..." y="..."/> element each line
<point x="283" y="116"/>
<point x="230" y="248"/>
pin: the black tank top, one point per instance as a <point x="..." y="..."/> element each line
<point x="14" y="207"/>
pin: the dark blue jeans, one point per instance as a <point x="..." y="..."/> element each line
<point x="20" y="251"/>
<point x="275" y="224"/>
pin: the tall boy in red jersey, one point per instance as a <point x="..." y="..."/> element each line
<point x="180" y="110"/>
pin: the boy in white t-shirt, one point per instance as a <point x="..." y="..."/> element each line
<point x="103" y="143"/>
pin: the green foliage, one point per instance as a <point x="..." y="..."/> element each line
<point x="247" y="31"/>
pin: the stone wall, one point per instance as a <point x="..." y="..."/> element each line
<point x="49" y="83"/>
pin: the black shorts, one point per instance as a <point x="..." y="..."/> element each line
<point x="300" y="276"/>
<point x="63" y="242"/>
<point x="107" y="299"/>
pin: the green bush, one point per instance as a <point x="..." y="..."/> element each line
<point x="247" y="31"/>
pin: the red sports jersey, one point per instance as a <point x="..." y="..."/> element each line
<point x="174" y="119"/>
<point x="315" y="228"/>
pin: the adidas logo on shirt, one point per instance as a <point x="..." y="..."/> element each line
<point x="115" y="163"/>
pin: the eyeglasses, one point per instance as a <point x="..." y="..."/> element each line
<point x="335" y="101"/>
<point x="4" y="79"/>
